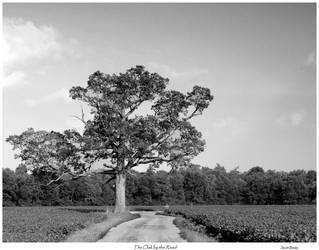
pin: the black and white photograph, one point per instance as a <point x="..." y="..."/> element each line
<point x="159" y="124"/>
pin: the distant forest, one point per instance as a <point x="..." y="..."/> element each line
<point x="193" y="185"/>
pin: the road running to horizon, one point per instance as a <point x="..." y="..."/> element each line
<point x="148" y="228"/>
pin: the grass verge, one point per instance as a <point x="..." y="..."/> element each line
<point x="97" y="231"/>
<point x="191" y="232"/>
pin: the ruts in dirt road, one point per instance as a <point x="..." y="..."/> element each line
<point x="148" y="228"/>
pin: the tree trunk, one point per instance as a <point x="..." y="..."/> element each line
<point x="120" y="193"/>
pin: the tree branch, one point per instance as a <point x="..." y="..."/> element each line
<point x="79" y="119"/>
<point x="57" y="179"/>
<point x="132" y="109"/>
<point x="110" y="179"/>
<point x="170" y="133"/>
<point x="156" y="159"/>
<point x="109" y="166"/>
<point x="107" y="172"/>
<point x="77" y="176"/>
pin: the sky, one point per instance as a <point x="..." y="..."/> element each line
<point x="259" y="60"/>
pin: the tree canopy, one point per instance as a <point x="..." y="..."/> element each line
<point x="129" y="140"/>
<point x="192" y="185"/>
<point x="116" y="133"/>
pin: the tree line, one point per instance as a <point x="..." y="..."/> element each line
<point x="194" y="185"/>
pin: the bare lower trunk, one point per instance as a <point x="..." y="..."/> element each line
<point x="120" y="193"/>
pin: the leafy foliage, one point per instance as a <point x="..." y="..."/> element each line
<point x="192" y="185"/>
<point x="128" y="140"/>
<point x="115" y="133"/>
<point x="254" y="223"/>
<point x="44" y="224"/>
<point x="48" y="152"/>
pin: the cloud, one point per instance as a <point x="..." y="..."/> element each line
<point x="170" y="72"/>
<point x="293" y="119"/>
<point x="231" y="127"/>
<point x="297" y="118"/>
<point x="222" y="123"/>
<point x="62" y="94"/>
<point x="310" y="59"/>
<point x="14" y="78"/>
<point x="281" y="121"/>
<point x="27" y="46"/>
<point x="23" y="40"/>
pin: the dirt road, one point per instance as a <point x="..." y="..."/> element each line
<point x="148" y="228"/>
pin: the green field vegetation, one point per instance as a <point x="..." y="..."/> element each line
<point x="192" y="232"/>
<point x="284" y="223"/>
<point x="228" y="223"/>
<point x="47" y="224"/>
<point x="97" y="231"/>
<point x="53" y="224"/>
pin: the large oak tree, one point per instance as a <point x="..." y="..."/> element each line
<point x="117" y="134"/>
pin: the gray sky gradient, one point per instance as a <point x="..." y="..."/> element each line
<point x="259" y="60"/>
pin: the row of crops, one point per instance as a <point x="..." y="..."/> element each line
<point x="254" y="223"/>
<point x="53" y="224"/>
<point x="47" y="224"/>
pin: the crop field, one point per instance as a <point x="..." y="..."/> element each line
<point x="46" y="224"/>
<point x="227" y="223"/>
<point x="236" y="223"/>
<point x="52" y="224"/>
